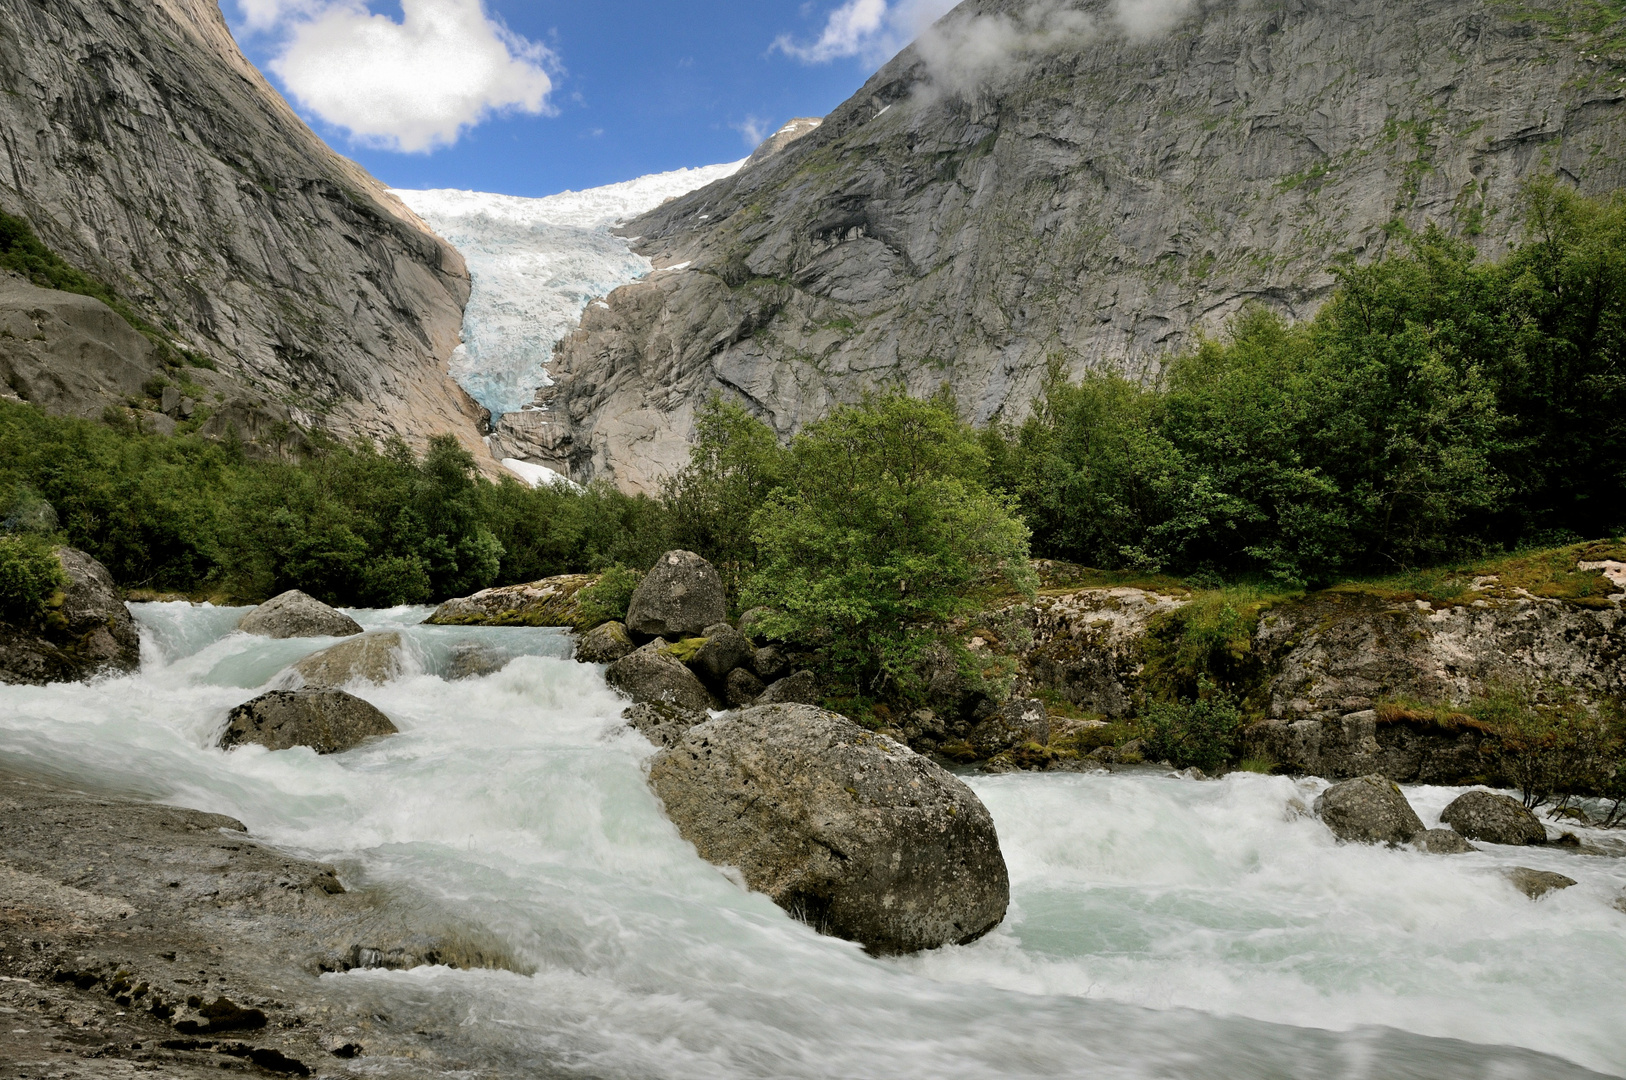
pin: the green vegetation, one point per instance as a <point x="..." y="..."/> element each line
<point x="1202" y="733"/>
<point x="30" y="578"/>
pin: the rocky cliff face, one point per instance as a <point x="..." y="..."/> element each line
<point x="144" y="148"/>
<point x="1030" y="181"/>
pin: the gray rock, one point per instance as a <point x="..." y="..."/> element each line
<point x="1368" y="810"/>
<point x="725" y="649"/>
<point x="801" y="688"/>
<point x="89" y="633"/>
<point x="605" y="644"/>
<point x="1620" y="903"/>
<point x="1442" y="842"/>
<point x="552" y="601"/>
<point x="472" y="660"/>
<point x="651" y="674"/>
<point x="750" y="623"/>
<point x="679" y="597"/>
<point x="1537" y="883"/>
<point x="742" y="688"/>
<point x="770" y="664"/>
<point x="293" y="615"/>
<point x="327" y="721"/>
<point x="372" y="657"/>
<point x="849" y="831"/>
<point x="1017" y="721"/>
<point x="660" y="723"/>
<point x="1493" y="818"/>
<point x="69" y="354"/>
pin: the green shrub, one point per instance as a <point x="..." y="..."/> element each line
<point x="607" y="599"/>
<point x="1201" y="733"/>
<point x="1546" y="749"/>
<point x="30" y="576"/>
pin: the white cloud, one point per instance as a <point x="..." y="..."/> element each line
<point x="753" y="129"/>
<point x="412" y="85"/>
<point x="872" y="29"/>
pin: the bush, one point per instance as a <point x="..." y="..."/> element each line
<point x="30" y="576"/>
<point x="1202" y="733"/>
<point x="1546" y="749"/>
<point x="608" y="598"/>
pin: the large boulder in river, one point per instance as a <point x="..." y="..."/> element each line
<point x="373" y="658"/>
<point x="1537" y="883"/>
<point x="652" y="674"/>
<point x="87" y="631"/>
<point x="327" y="721"/>
<point x="853" y="833"/>
<point x="294" y="614"/>
<point x="605" y="644"/>
<point x="552" y="601"/>
<point x="1493" y="818"/>
<point x="679" y="597"/>
<point x="1369" y="810"/>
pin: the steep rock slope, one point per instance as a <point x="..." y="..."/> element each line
<point x="144" y="148"/>
<point x="1030" y="181"/>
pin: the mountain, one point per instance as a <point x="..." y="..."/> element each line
<point x="142" y="147"/>
<point x="1043" y="180"/>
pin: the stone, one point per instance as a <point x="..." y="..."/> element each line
<point x="327" y="721"/>
<point x="679" y="597"/>
<point x="604" y="644"/>
<point x="1537" y="883"/>
<point x="294" y="615"/>
<point x="750" y="623"/>
<point x="849" y="831"/>
<point x="549" y="602"/>
<point x="741" y="688"/>
<point x="725" y="649"/>
<point x="660" y="723"/>
<point x="770" y="664"/>
<point x="372" y="657"/>
<point x="1013" y="723"/>
<point x="1368" y="810"/>
<point x="473" y="660"/>
<point x="651" y="674"/>
<point x="1493" y="818"/>
<point x="1620" y="903"/>
<point x="88" y="631"/>
<point x="802" y="688"/>
<point x="1442" y="842"/>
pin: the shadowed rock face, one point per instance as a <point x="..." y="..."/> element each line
<point x="1100" y="203"/>
<point x="145" y="149"/>
<point x="92" y="631"/>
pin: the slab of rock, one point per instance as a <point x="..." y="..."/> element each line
<point x="853" y="833"/>
<point x="373" y="657"/>
<point x="662" y="724"/>
<point x="327" y="721"/>
<point x="1537" y="883"/>
<point x="1442" y="842"/>
<point x="800" y="688"/>
<point x="549" y="602"/>
<point x="90" y="632"/>
<point x="605" y="644"/>
<point x="741" y="688"/>
<point x="1014" y="723"/>
<point x="725" y="649"/>
<point x="679" y="597"/>
<point x="1368" y="810"/>
<point x="651" y="674"/>
<point x="293" y="615"/>
<point x="1493" y="818"/>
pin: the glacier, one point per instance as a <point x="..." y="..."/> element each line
<point x="536" y="264"/>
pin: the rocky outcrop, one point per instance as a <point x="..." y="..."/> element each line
<point x="549" y="602"/>
<point x="1409" y="747"/>
<point x="660" y="723"/>
<point x="849" y="831"/>
<point x="1029" y="182"/>
<point x="725" y="650"/>
<point x="143" y="147"/>
<point x="1493" y="818"/>
<point x="652" y="674"/>
<point x="1014" y="723"/>
<point x="71" y="355"/>
<point x="1368" y="810"/>
<point x="605" y="644"/>
<point x="372" y="657"/>
<point x="293" y="614"/>
<point x="679" y="597"/>
<point x="88" y="631"/>
<point x="1537" y="883"/>
<point x="327" y="721"/>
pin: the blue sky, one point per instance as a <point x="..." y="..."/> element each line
<point x="530" y="97"/>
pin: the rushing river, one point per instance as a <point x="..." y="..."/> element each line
<point x="1159" y="927"/>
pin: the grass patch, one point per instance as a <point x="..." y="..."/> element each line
<point x="1546" y="572"/>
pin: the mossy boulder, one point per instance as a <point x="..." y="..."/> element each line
<point x="549" y="602"/>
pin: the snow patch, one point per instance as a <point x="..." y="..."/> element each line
<point x="538" y="475"/>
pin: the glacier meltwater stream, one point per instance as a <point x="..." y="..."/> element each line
<point x="1159" y="927"/>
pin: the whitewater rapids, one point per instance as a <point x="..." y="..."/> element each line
<point x="1159" y="927"/>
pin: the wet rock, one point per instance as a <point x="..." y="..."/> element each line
<point x="769" y="664"/>
<point x="802" y="688"/>
<point x="473" y="660"/>
<point x="605" y="644"/>
<point x="221" y="1014"/>
<point x="651" y="674"/>
<point x="1537" y="883"/>
<point x="1411" y="749"/>
<point x="296" y="615"/>
<point x="725" y="649"/>
<point x="849" y="831"/>
<point x="549" y="602"/>
<point x="679" y="597"/>
<point x="1620" y="903"/>
<point x="742" y="688"/>
<point x="750" y="623"/>
<point x="1368" y="810"/>
<point x="660" y="723"/>
<point x="1442" y="842"/>
<point x="88" y="632"/>
<point x="1493" y="818"/>
<point x="373" y="657"/>
<point x="327" y="721"/>
<point x="1018" y="721"/>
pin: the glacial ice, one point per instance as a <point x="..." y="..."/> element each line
<point x="536" y="264"/>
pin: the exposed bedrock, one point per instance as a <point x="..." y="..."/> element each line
<point x="88" y="631"/>
<point x="1096" y="199"/>
<point x="853" y="833"/>
<point x="144" y="148"/>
